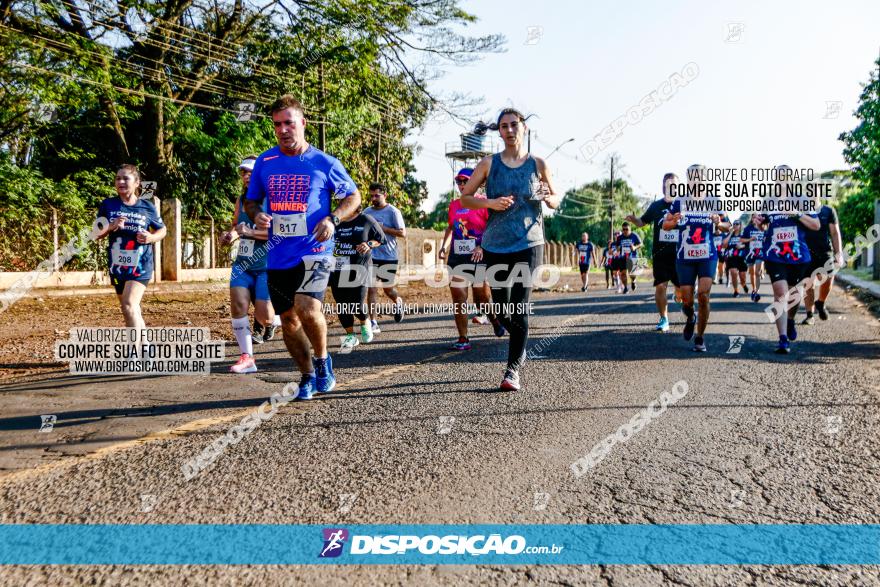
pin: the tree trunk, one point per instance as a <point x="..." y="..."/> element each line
<point x="122" y="154"/>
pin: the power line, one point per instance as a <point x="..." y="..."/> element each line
<point x="205" y="87"/>
<point x="168" y="47"/>
<point x="384" y="108"/>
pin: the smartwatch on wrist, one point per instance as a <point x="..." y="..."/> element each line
<point x="334" y="219"/>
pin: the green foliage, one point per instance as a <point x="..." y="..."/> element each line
<point x="856" y="214"/>
<point x="157" y="83"/>
<point x="862" y="151"/>
<point x="587" y="209"/>
<point x="438" y="218"/>
<point x="26" y="204"/>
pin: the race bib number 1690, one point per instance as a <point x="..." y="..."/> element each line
<point x="784" y="235"/>
<point x="696" y="251"/>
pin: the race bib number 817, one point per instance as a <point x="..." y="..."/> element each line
<point x="286" y="225"/>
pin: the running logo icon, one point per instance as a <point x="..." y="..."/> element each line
<point x="334" y="540"/>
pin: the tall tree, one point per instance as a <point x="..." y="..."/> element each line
<point x="160" y="83"/>
<point x="862" y="151"/>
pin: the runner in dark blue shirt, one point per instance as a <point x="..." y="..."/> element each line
<point x="822" y="243"/>
<point x="664" y="249"/>
<point x="697" y="257"/>
<point x="585" y="258"/>
<point x="753" y="235"/>
<point x="735" y="252"/>
<point x="718" y="243"/>
<point x="628" y="245"/>
<point x="134" y="225"/>
<point x="787" y="257"/>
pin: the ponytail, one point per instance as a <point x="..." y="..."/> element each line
<point x="481" y="128"/>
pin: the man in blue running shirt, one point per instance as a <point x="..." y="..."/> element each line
<point x="300" y="181"/>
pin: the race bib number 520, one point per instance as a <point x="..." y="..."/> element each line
<point x="668" y="236"/>
<point x="286" y="225"/>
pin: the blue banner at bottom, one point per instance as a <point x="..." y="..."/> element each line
<point x="637" y="544"/>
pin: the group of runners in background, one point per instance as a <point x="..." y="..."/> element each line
<point x="292" y="245"/>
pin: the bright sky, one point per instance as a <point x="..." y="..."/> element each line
<point x="767" y="73"/>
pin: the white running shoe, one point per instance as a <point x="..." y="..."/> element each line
<point x="366" y="332"/>
<point x="245" y="364"/>
<point x="480" y="319"/>
<point x="375" y="327"/>
<point x="349" y="341"/>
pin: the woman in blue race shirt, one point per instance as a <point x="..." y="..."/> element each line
<point x="134" y="225"/>
<point x="697" y="258"/>
<point x="753" y="234"/>
<point x="786" y="257"/>
<point x="736" y="258"/>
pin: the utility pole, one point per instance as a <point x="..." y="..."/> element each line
<point x="378" y="152"/>
<point x="322" y="126"/>
<point x="611" y="202"/>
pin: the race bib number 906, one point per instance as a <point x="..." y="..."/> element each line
<point x="286" y="225"/>
<point x="464" y="247"/>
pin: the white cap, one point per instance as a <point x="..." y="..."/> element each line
<point x="247" y="164"/>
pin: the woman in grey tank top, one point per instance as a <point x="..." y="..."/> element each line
<point x="513" y="243"/>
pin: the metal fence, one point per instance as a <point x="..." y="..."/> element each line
<point x="27" y="244"/>
<point x="200" y="244"/>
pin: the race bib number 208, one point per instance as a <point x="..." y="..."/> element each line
<point x="125" y="258"/>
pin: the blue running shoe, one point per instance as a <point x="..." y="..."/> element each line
<point x="306" y="387"/>
<point x="784" y="346"/>
<point x="791" y="331"/>
<point x="498" y="328"/>
<point x="663" y="325"/>
<point x="325" y="379"/>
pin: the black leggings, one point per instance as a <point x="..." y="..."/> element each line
<point x="349" y="297"/>
<point x="510" y="294"/>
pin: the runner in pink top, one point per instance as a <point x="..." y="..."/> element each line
<point x="465" y="259"/>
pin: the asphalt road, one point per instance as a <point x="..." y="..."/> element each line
<point x="418" y="434"/>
